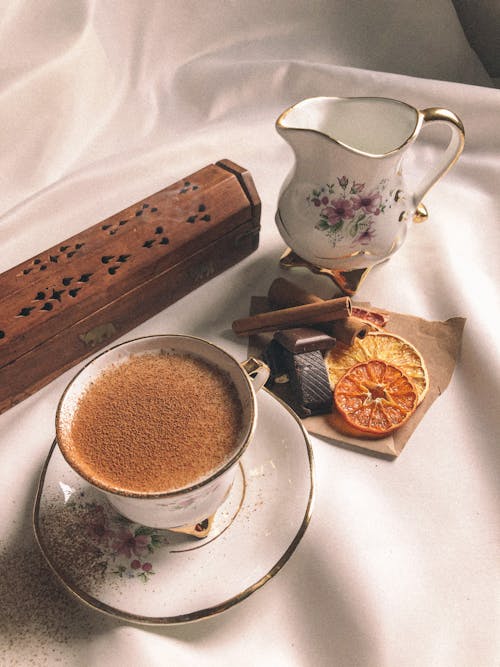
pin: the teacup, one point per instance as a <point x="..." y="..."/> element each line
<point x="199" y="498"/>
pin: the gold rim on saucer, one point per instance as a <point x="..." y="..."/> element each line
<point x="247" y="508"/>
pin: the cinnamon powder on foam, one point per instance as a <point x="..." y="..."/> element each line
<point x="156" y="423"/>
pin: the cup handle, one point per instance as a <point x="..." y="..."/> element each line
<point x="451" y="154"/>
<point x="258" y="372"/>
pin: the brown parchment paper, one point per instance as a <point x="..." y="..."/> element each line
<point x="438" y="343"/>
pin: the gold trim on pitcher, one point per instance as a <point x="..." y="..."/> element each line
<point x="409" y="139"/>
<point x="447" y="116"/>
<point x="437" y="113"/>
<point x="433" y="114"/>
<point x="347" y="280"/>
<point x="421" y="213"/>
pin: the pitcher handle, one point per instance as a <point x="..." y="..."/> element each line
<point x="451" y="154"/>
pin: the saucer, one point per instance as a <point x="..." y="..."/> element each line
<point x="160" y="577"/>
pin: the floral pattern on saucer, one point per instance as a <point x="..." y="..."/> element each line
<point x="253" y="535"/>
<point x="98" y="542"/>
<point x="347" y="210"/>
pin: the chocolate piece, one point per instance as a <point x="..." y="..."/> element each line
<point x="304" y="340"/>
<point x="274" y="357"/>
<point x="309" y="382"/>
<point x="301" y="380"/>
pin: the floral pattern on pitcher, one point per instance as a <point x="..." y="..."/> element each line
<point x="347" y="210"/>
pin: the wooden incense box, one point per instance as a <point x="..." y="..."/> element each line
<point x="71" y="300"/>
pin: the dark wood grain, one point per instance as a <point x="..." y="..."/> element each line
<point x="100" y="285"/>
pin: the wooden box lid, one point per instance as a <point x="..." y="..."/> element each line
<point x="74" y="298"/>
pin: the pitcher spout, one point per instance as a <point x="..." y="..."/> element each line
<point x="368" y="126"/>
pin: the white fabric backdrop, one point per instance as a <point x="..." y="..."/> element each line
<point x="103" y="103"/>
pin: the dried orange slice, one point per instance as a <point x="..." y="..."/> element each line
<point x="375" y="397"/>
<point x="379" y="345"/>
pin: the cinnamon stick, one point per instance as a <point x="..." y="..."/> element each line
<point x="288" y="318"/>
<point x="346" y="331"/>
<point x="286" y="294"/>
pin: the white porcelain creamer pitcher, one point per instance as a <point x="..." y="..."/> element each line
<point x="345" y="204"/>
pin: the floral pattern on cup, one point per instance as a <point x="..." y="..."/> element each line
<point x="122" y="548"/>
<point x="347" y="210"/>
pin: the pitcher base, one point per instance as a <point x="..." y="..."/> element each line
<point x="347" y="281"/>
